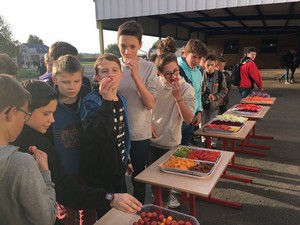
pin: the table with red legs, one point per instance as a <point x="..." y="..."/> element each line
<point x="263" y="103"/>
<point x="241" y="135"/>
<point x="195" y="186"/>
<point x="251" y="116"/>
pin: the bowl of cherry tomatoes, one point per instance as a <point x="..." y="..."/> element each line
<point x="155" y="215"/>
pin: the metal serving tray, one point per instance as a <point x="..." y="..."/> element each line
<point x="200" y="149"/>
<point x="239" y="111"/>
<point x="191" y="173"/>
<point x="222" y="131"/>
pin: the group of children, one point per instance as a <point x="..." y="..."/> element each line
<point x="90" y="135"/>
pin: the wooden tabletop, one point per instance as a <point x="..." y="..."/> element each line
<point x="240" y="135"/>
<point x="259" y="102"/>
<point x="255" y="116"/>
<point x="197" y="186"/>
<point x="153" y="175"/>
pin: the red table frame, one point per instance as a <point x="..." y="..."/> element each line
<point x="205" y="195"/>
<point x="233" y="137"/>
<point x="246" y="143"/>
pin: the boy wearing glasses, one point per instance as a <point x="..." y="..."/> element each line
<point x="26" y="187"/>
<point x="175" y="104"/>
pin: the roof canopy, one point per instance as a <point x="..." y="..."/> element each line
<point x="184" y="19"/>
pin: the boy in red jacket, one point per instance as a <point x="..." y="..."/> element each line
<point x="249" y="74"/>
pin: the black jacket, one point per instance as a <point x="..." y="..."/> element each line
<point x="68" y="192"/>
<point x="101" y="164"/>
<point x="287" y="60"/>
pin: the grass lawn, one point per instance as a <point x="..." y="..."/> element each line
<point x="87" y="64"/>
<point x="31" y="73"/>
<point x="27" y="74"/>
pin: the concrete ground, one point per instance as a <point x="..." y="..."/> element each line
<point x="274" y="196"/>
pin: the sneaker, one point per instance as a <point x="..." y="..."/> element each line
<point x="174" y="203"/>
<point x="279" y="79"/>
<point x="291" y="81"/>
<point x="287" y="82"/>
<point x="175" y="192"/>
<point x="165" y="205"/>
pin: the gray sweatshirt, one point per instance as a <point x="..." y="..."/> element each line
<point x="27" y="196"/>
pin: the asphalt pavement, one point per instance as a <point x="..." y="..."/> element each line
<point x="274" y="196"/>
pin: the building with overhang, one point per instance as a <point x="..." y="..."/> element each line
<point x="228" y="27"/>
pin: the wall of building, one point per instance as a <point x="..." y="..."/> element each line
<point x="263" y="60"/>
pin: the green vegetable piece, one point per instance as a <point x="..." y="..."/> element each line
<point x="182" y="152"/>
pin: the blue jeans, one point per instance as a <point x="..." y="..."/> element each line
<point x="286" y="75"/>
<point x="187" y="131"/>
<point x="138" y="155"/>
<point x="245" y="92"/>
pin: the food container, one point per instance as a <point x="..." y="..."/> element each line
<point x="196" y="168"/>
<point x="258" y="100"/>
<point x="205" y="155"/>
<point x="211" y="127"/>
<point x="238" y="110"/>
<point x="166" y="212"/>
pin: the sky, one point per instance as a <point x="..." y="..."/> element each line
<point x="73" y="21"/>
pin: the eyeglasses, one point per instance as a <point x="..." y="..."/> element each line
<point x="27" y="114"/>
<point x="169" y="74"/>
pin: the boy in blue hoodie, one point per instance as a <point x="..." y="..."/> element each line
<point x="189" y="67"/>
<point x="67" y="132"/>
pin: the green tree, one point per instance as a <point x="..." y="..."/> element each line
<point x="7" y="43"/>
<point x="112" y="48"/>
<point x="33" y="39"/>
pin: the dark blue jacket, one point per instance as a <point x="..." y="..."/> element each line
<point x="101" y="163"/>
<point x="67" y="134"/>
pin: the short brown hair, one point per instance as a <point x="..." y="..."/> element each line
<point x="221" y="59"/>
<point x="61" y="48"/>
<point x="167" y="44"/>
<point x="12" y="93"/>
<point x="251" y="49"/>
<point x="211" y="57"/>
<point x="165" y="59"/>
<point x="66" y="64"/>
<point x="196" y="47"/>
<point x="107" y="56"/>
<point x="131" y="28"/>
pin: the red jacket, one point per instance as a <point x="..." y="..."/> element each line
<point x="247" y="70"/>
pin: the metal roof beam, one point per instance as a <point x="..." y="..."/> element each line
<point x="256" y="33"/>
<point x="295" y="28"/>
<point x="260" y="14"/>
<point x="207" y="16"/>
<point x="291" y="9"/>
<point x="233" y="18"/>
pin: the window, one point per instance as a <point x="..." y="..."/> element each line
<point x="231" y="46"/>
<point x="268" y="45"/>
